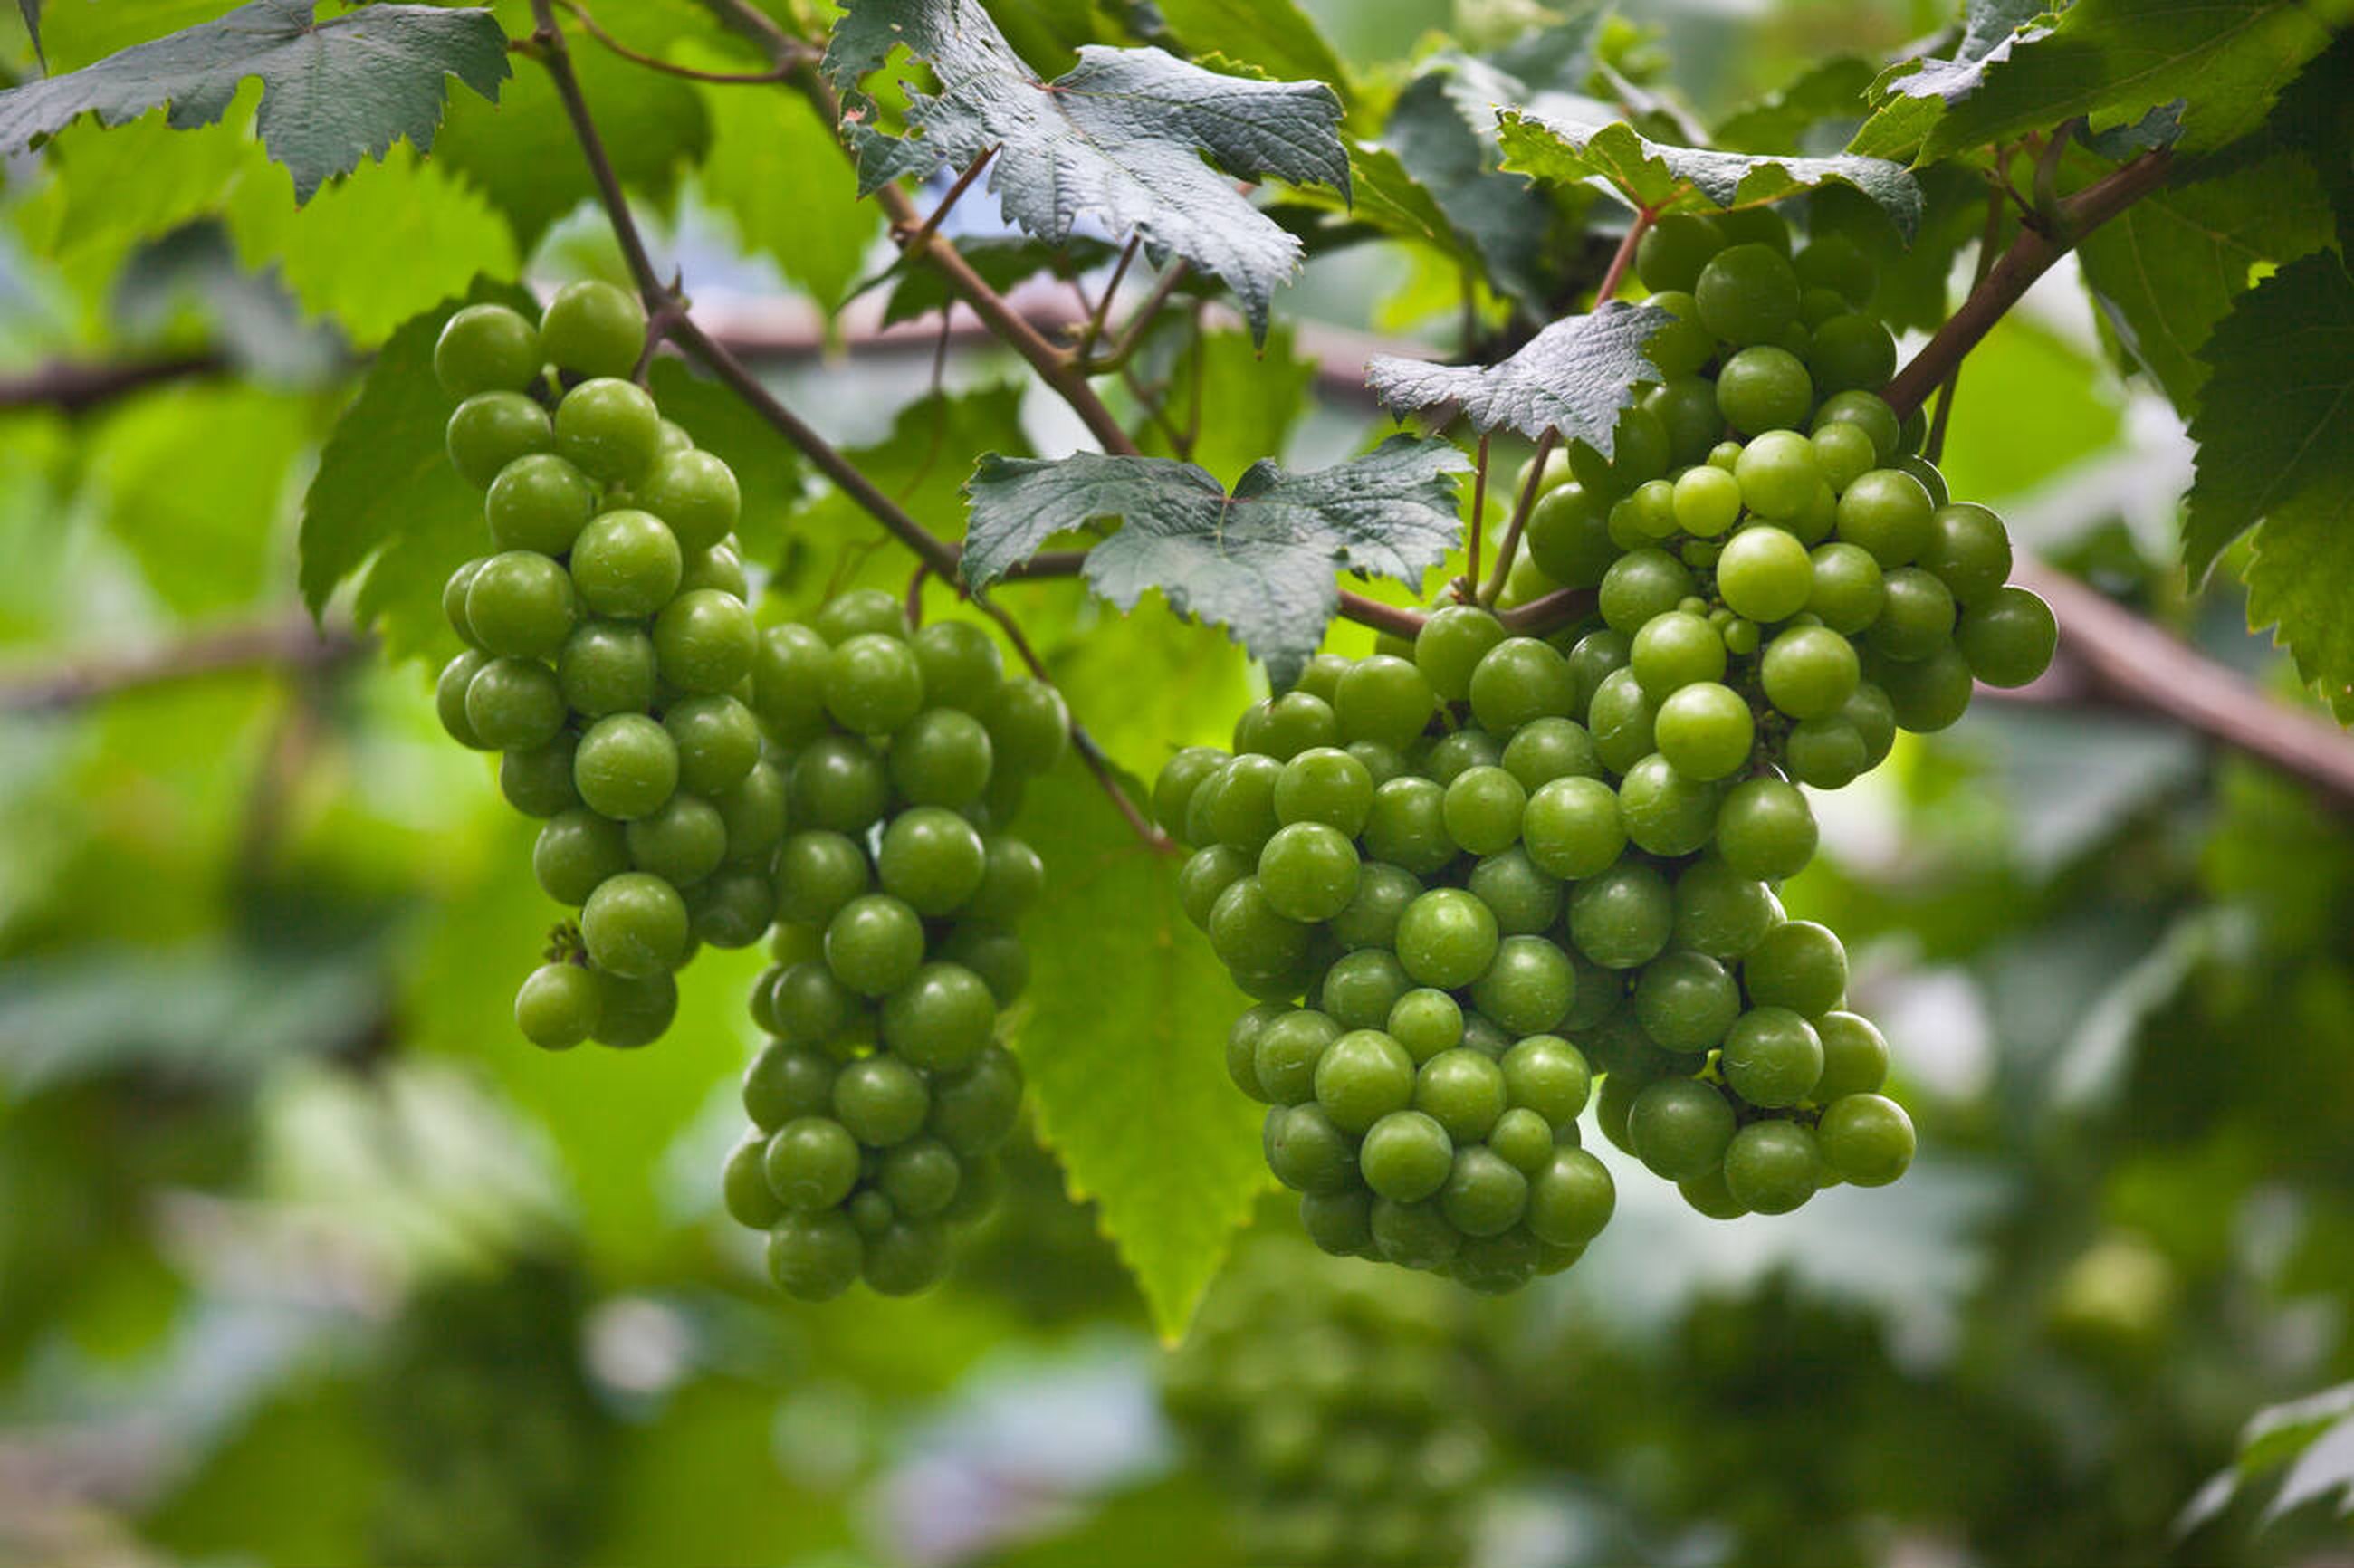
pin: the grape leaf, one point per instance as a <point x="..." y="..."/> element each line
<point x="1573" y="378"/>
<point x="1129" y="1083"/>
<point x="1275" y="35"/>
<point x="2166" y="268"/>
<point x="1129" y="137"/>
<point x="1918" y="91"/>
<point x="1786" y="120"/>
<point x="1544" y="69"/>
<point x="1505" y="220"/>
<point x="763" y="145"/>
<point x="1649" y="174"/>
<point x="386" y="508"/>
<point x="332" y="91"/>
<point x="2275" y="434"/>
<point x="1260" y="561"/>
<point x="2113" y="60"/>
<point x="1249" y="398"/>
<point x="31" y="11"/>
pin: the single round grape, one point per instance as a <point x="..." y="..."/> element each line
<point x="1747" y="294"/>
<point x="1809" y="670"/>
<point x="453" y="600"/>
<point x="1683" y="346"/>
<point x="593" y="328"/>
<point x="1711" y="1197"/>
<point x="940" y="1019"/>
<point x="558" y="1006"/>
<point x="1568" y="537"/>
<point x="520" y="604"/>
<point x="1828" y="753"/>
<point x="1680" y="1127"/>
<point x="1383" y="699"/>
<point x="538" y="782"/>
<point x="635" y="1012"/>
<point x="838" y="782"/>
<point x="1622" y="916"/>
<point x="1450" y="645"/>
<point x="1969" y="550"/>
<point x="704" y="640"/>
<point x="1888" y="513"/>
<point x="962" y="668"/>
<point x="1012" y="878"/>
<point x="1250" y="936"/>
<point x="1868" y="413"/>
<point x="1594" y="658"/>
<point x="486" y="348"/>
<point x="1771" y="1167"/>
<point x="1623" y="721"/>
<point x="815" y="1257"/>
<point x="1705" y="501"/>
<point x="1360" y="988"/>
<point x="1284" y="727"/>
<point x="789" y="683"/>
<point x="694" y="494"/>
<point x="997" y="956"/>
<point x="1866" y="1139"/>
<point x="1362" y="1077"/>
<point x="1407" y="826"/>
<point x="720" y="567"/>
<point x="634" y="925"/>
<point x="1519" y="681"/>
<point x="2008" y="637"/>
<point x="1446" y="939"/>
<point x="1763" y="387"/>
<point x="920" y="1177"/>
<point x="1309" y="871"/>
<point x="931" y="859"/>
<point x="1674" y="250"/>
<point x="1414" y="1235"/>
<point x="733" y="908"/>
<point x="1550" y="749"/>
<point x="1916" y="616"/>
<point x="787" y="1081"/>
<point x="1571" y="1200"/>
<point x="1855" y="1057"/>
<point x="681" y="841"/>
<point x="1180" y="777"/>
<point x="1425" y="1022"/>
<point x="576" y="850"/>
<point x="874" y="684"/>
<point x="1484" y="1195"/>
<point x="1832" y="261"/>
<point x="1306" y="1151"/>
<point x="973" y="1111"/>
<point x="1772" y="1057"/>
<point x="1719" y="911"/>
<point x="1407" y="1156"/>
<point x="1673" y="651"/>
<point x="1686" y="1000"/>
<point x="1206" y="875"/>
<point x="1766" y="829"/>
<point x="626" y="766"/>
<point x="718" y="743"/>
<point x="874" y="944"/>
<point x="1847" y="588"/>
<point x="1029" y="728"/>
<point x="626" y="565"/>
<point x="1843" y="454"/>
<point x="744" y="1187"/>
<point x="1287" y="1051"/>
<point x="1525" y="899"/>
<point x="1466" y="748"/>
<point x="1704" y="731"/>
<point x="856" y="610"/>
<point x="1324" y="785"/>
<point x="1777" y="473"/>
<point x="881" y="1099"/>
<point x="817" y="873"/>
<point x="1548" y="1076"/>
<point x="1664" y="813"/>
<point x="1242" y="1049"/>
<point x="1528" y="987"/>
<point x="1911" y="461"/>
<point x="609" y="429"/>
<point x="1240" y="802"/>
<point x="1483" y="809"/>
<point x="814" y="1009"/>
<point x="1640" y="585"/>
<point x="1638" y="451"/>
<point x="513" y="705"/>
<point x="1850" y="351"/>
<point x="606" y="667"/>
<point x="491" y="430"/>
<point x="1764" y="575"/>
<point x="810" y="1163"/>
<point x="1926" y="694"/>
<point x="1598" y="993"/>
<point x="1799" y="965"/>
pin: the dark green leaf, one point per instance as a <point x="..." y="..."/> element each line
<point x="2166" y="268"/>
<point x="1275" y="35"/>
<point x="1237" y="400"/>
<point x="2113" y="60"/>
<point x="385" y="506"/>
<point x="1122" y="139"/>
<point x="2316" y="117"/>
<point x="31" y="11"/>
<point x="1506" y="221"/>
<point x="1131" y="1089"/>
<point x="332" y="92"/>
<point x="1915" y="278"/>
<point x="1003" y="261"/>
<point x="1828" y="96"/>
<point x="1573" y="378"/>
<point x="2275" y="433"/>
<point x="1259" y="562"/>
<point x="1651" y="173"/>
<point x="1919" y="91"/>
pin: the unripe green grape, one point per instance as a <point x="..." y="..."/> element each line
<point x="681" y="841"/>
<point x="1818" y="305"/>
<point x="1180" y="777"/>
<point x="513" y="705"/>
<point x="1916" y="616"/>
<point x="626" y="565"/>
<point x="1809" y="670"/>
<point x="1771" y="1167"/>
<point x="1756" y="226"/>
<point x="1242" y="1047"/>
<point x="1450" y="645"/>
<point x="1640" y="585"/>
<point x="1407" y="826"/>
<point x="1911" y="461"/>
<point x="810" y="1163"/>
<point x="1676" y="248"/>
<point x="1866" y="1139"/>
<point x="1888" y="513"/>
<point x="634" y="925"/>
<point x="1747" y="294"/>
<point x="625" y="767"/>
<point x="920" y="1177"/>
<point x="815" y="1257"/>
<point x="940" y="1019"/>
<point x="538" y="782"/>
<point x="788" y="1080"/>
<point x="520" y="604"/>
<point x="1208" y="872"/>
<point x="1851" y="351"/>
<point x="931" y="859"/>
<point x="1525" y="899"/>
<point x="696" y="495"/>
<point x="1683" y="345"/>
<point x="1595" y="657"/>
<point x="789" y="683"/>
<point x="744" y="1187"/>
<point x="1483" y="809"/>
<point x="1764" y="829"/>
<point x="1309" y="871"/>
<point x="1828" y="752"/>
<point x="838" y="782"/>
<point x="450" y="698"/>
<point x="1571" y="827"/>
<point x="486" y="348"/>
<point x="1240" y="808"/>
<point x="1548" y="1074"/>
<point x="1414" y="1235"/>
<point x="1843" y="452"/>
<point x="1518" y="682"/>
<point x="1466" y="748"/>
<point x="606" y="667"/>
<point x="1324" y="785"/>
<point x="609" y="429"/>
<point x="1446" y="939"/>
<point x="1847" y="586"/>
<point x="1406" y="1157"/>
<point x="874" y="944"/>
<point x="593" y="328"/>
<point x="634" y="1013"/>
<point x="453" y="600"/>
<point x="1706" y="501"/>
<point x="814" y="1009"/>
<point x="873" y="684"/>
<point x="490" y="430"/>
<point x="2008" y="637"/>
<point x="1284" y="727"/>
<point x="1360" y="988"/>
<point x="1382" y="763"/>
<point x="1287" y="1051"/>
<point x="1383" y="699"/>
<point x="1772" y="1057"/>
<point x="1798" y="965"/>
<point x="1664" y="813"/>
<point x="1622" y="916"/>
<point x="558" y="1006"/>
<point x="1568" y="537"/>
<point x="1680" y="1127"/>
<point x="1927" y="694"/>
<point x="1686" y="1000"/>
<point x="717" y="739"/>
<point x="1704" y="731"/>
<point x="1867" y="411"/>
<point x="1675" y="651"/>
<point x="576" y="851"/>
<point x="1777" y="473"/>
<point x="1320" y="678"/>
<point x="1425" y="1022"/>
<point x="817" y="873"/>
<point x="1763" y="387"/>
<point x="1571" y="1200"/>
<point x="1874" y="716"/>
<point x="1527" y="988"/>
<point x="1969" y="550"/>
<point x="1250" y="936"/>
<point x="1623" y="721"/>
<point x="1832" y="261"/>
<point x="1013" y="879"/>
<point x="881" y="1099"/>
<point x="962" y="668"/>
<point x="1383" y="891"/>
<point x="1306" y="1151"/>
<point x="1546" y="749"/>
<point x="1362" y="1077"/>
<point x="856" y="611"/>
<point x="704" y="640"/>
<point x="718" y="567"/>
<point x="1711" y="1197"/>
<point x="1029" y="728"/>
<point x="1484" y="1195"/>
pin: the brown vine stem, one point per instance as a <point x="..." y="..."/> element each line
<point x="947" y="204"/>
<point x="294" y="642"/>
<point x="1478" y="515"/>
<point x="71" y="387"/>
<point x="1934" y="445"/>
<point x="1131" y="337"/>
<point x="2027" y="258"/>
<point x="579" y="13"/>
<point x="1099" y="317"/>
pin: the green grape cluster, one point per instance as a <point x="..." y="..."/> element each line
<point x="608" y="656"/>
<point x="876" y="1106"/>
<point x="1493" y="867"/>
<point x="1345" y="1416"/>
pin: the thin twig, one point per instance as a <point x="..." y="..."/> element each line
<point x="1131" y="335"/>
<point x="1479" y="513"/>
<point x="1623" y="256"/>
<point x="1395" y="619"/>
<point x="71" y="388"/>
<point x="724" y="77"/>
<point x="1530" y="489"/>
<point x="1935" y="447"/>
<point x="1097" y="318"/>
<point x="294" y="642"/>
<point x="1085" y="744"/>
<point x="955" y="192"/>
